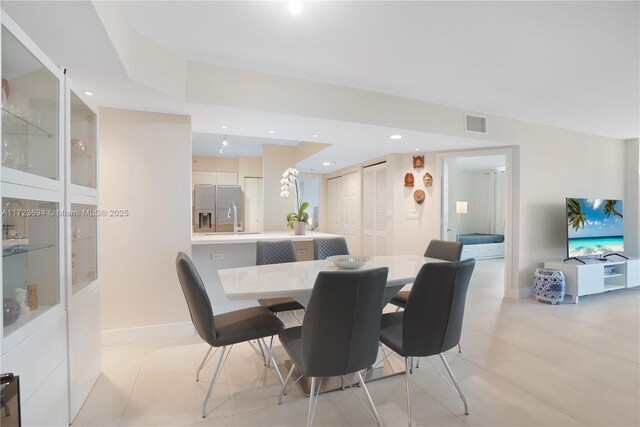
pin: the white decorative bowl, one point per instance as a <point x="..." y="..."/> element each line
<point x="349" y="262"/>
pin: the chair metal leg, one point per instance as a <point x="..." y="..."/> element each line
<point x="459" y="348"/>
<point x="204" y="362"/>
<point x="215" y="378"/>
<point x="366" y="392"/>
<point x="284" y="386"/>
<point x="264" y="356"/>
<point x="408" y="378"/>
<point x="313" y="399"/>
<point x="270" y="348"/>
<point x="272" y="362"/>
<point x="455" y="382"/>
<point x="417" y="362"/>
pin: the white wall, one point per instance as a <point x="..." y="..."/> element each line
<point x="145" y="167"/>
<point x="249" y="167"/>
<point x="550" y="171"/>
<point x="275" y="160"/>
<point x="632" y="198"/>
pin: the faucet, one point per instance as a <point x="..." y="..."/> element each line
<point x="235" y="217"/>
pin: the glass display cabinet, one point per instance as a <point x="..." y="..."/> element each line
<point x="38" y="340"/>
<point x="51" y="332"/>
<point x="30" y="114"/>
<point x="32" y="187"/>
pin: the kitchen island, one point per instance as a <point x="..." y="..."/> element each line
<point x="211" y="252"/>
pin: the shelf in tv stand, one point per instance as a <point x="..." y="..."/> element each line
<point x="595" y="277"/>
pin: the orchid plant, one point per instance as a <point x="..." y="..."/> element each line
<point x="289" y="183"/>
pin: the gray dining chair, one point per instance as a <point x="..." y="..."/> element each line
<point x="438" y="249"/>
<point x="324" y="248"/>
<point x="337" y="339"/>
<point x="431" y="322"/>
<point x="277" y="252"/>
<point x="222" y="330"/>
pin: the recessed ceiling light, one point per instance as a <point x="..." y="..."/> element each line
<point x="224" y="126"/>
<point x="272" y="131"/>
<point x="295" y="7"/>
<point x="417" y="149"/>
<point x="326" y="163"/>
<point x="395" y="137"/>
<point x="89" y="93"/>
<point x="314" y="135"/>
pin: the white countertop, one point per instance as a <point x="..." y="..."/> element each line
<point x="296" y="279"/>
<point x="223" y="238"/>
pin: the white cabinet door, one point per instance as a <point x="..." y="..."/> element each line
<point x="227" y="178"/>
<point x="199" y="177"/>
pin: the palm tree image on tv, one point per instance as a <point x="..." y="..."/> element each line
<point x="595" y="226"/>
<point x="575" y="214"/>
<point x="610" y="208"/>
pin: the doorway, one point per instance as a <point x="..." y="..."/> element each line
<point x="478" y="206"/>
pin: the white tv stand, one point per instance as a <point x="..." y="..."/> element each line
<point x="596" y="277"/>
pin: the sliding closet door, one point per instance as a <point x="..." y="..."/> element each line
<point x="334" y="205"/>
<point x="374" y="210"/>
<point x="343" y="209"/>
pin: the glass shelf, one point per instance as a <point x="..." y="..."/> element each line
<point x="12" y="124"/>
<point x="19" y="249"/>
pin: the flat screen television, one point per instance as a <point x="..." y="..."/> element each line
<point x="594" y="227"/>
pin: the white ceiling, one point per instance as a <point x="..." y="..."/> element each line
<point x="207" y="144"/>
<point x="573" y="65"/>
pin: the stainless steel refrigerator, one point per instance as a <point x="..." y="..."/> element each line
<point x="228" y="196"/>
<point x="204" y="208"/>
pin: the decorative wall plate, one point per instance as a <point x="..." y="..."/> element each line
<point x="418" y="196"/>
<point x="427" y="179"/>
<point x="418" y="162"/>
<point x="408" y="180"/>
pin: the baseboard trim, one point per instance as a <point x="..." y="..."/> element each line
<point x="521" y="293"/>
<point x="147" y="333"/>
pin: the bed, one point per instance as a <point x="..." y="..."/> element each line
<point x="482" y="245"/>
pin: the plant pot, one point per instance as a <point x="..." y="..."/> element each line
<point x="299" y="228"/>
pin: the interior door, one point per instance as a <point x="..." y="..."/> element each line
<point x="253" y="204"/>
<point x="374" y="210"/>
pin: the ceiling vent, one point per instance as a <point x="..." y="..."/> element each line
<point x="475" y="124"/>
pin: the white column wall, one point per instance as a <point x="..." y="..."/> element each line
<point x="145" y="167"/>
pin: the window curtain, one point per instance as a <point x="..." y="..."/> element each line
<point x="497" y="190"/>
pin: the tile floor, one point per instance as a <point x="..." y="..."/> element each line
<point x="523" y="364"/>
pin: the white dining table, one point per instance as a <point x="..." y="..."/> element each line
<point x="296" y="279"/>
